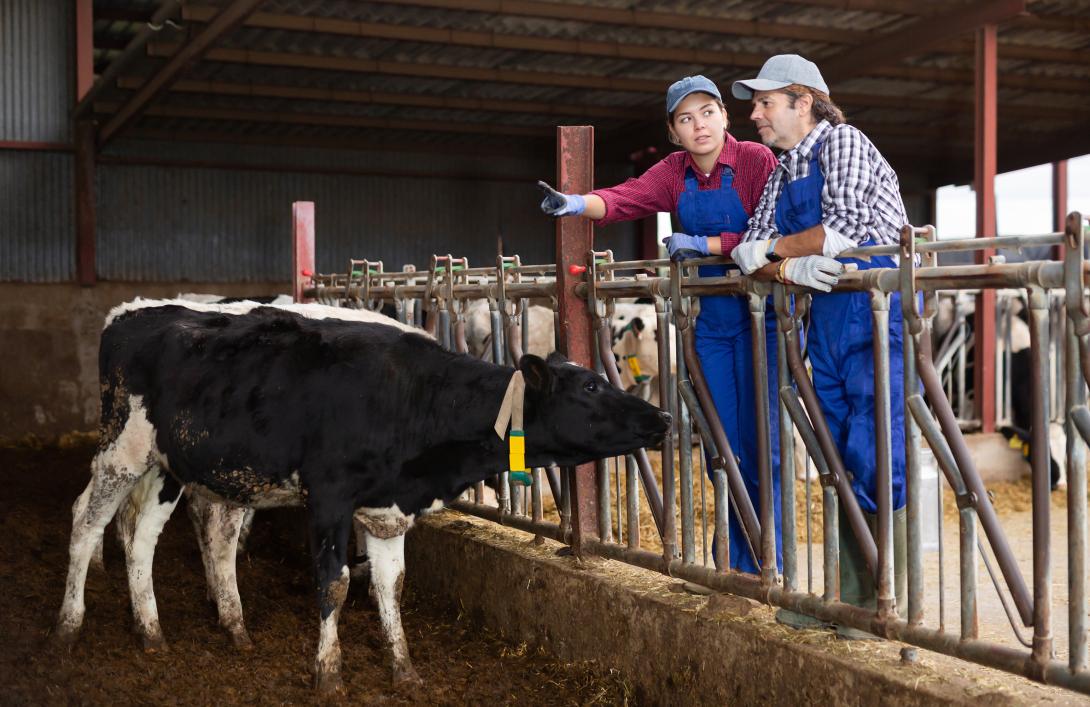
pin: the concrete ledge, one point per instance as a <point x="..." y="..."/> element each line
<point x="674" y="647"/>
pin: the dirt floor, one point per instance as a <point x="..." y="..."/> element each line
<point x="459" y="662"/>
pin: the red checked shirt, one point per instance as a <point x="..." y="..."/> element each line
<point x="659" y="188"/>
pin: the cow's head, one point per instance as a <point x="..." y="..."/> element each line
<point x="574" y="416"/>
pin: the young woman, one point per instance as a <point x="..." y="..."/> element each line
<point x="712" y="186"/>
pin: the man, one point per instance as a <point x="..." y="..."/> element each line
<point x="831" y="191"/>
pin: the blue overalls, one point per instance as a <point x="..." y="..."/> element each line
<point x="841" y="353"/>
<point x="724" y="346"/>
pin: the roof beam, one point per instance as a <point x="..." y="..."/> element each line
<point x="542" y="78"/>
<point x="134" y="48"/>
<point x="188" y="55"/>
<point x="301" y="93"/>
<point x="340" y="121"/>
<point x="918" y="37"/>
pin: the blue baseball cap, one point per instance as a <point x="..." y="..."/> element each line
<point x="690" y="84"/>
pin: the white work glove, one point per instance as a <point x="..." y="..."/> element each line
<point x="835" y="243"/>
<point x="814" y="271"/>
<point x="750" y="256"/>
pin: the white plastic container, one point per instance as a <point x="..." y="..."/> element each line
<point x="929" y="491"/>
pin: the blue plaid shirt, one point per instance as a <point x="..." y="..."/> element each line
<point x="861" y="198"/>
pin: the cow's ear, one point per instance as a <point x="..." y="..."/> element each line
<point x="536" y="373"/>
<point x="556" y="359"/>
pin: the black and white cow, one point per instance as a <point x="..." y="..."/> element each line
<point x="269" y="408"/>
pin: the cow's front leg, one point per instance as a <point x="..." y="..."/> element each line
<point x="387" y="557"/>
<point x="329" y="548"/>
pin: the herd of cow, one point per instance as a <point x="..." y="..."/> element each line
<point x="347" y="413"/>
<point x="362" y="420"/>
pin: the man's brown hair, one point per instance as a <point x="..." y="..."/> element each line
<point x="823" y="108"/>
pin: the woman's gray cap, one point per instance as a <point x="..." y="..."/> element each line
<point x="690" y="84"/>
<point x="781" y="71"/>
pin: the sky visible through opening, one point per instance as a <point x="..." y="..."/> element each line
<point x="1023" y="201"/>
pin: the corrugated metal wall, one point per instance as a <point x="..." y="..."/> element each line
<point x="37" y="226"/>
<point x="35" y="75"/>
<point x="203" y="224"/>
<point x="37" y="231"/>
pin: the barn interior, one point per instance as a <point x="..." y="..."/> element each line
<point x="152" y="147"/>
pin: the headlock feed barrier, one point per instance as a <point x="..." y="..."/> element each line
<point x="439" y="297"/>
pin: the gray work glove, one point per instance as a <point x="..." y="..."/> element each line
<point x="814" y="271"/>
<point x="557" y="204"/>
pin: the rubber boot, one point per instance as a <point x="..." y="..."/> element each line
<point x="856" y="584"/>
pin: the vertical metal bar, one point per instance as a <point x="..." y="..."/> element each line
<point x="632" y="501"/>
<point x="757" y="305"/>
<point x="831" y="542"/>
<point x="787" y="446"/>
<point x="703" y="504"/>
<point x="942" y="555"/>
<point x="495" y="319"/>
<point x="617" y="489"/>
<point x="1076" y="510"/>
<point x="809" y="532"/>
<point x="537" y="510"/>
<point x="574" y="238"/>
<point x="605" y="521"/>
<point x="685" y="472"/>
<point x="722" y="512"/>
<point x="302" y="254"/>
<point x="1040" y="462"/>
<point x="963" y="405"/>
<point x="914" y="512"/>
<point x="970" y="626"/>
<point x="85" y="204"/>
<point x="986" y="93"/>
<point x="1059" y="201"/>
<point x="524" y="304"/>
<point x="883" y="451"/>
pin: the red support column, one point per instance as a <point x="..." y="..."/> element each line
<point x="1059" y="202"/>
<point x="984" y="183"/>
<point x="302" y="254"/>
<point x="85" y="203"/>
<point x="84" y="134"/>
<point x="574" y="239"/>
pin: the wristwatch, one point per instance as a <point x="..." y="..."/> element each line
<point x="771" y="252"/>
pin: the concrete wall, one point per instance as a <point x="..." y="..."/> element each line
<point x="49" y="335"/>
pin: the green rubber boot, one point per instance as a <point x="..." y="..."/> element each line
<point x="856" y="585"/>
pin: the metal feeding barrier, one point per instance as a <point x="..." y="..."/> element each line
<point x="1055" y="296"/>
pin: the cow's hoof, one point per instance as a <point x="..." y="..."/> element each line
<point x="155" y="644"/>
<point x="64" y="637"/>
<point x="330" y="685"/>
<point x="241" y="639"/>
<point x="406" y="675"/>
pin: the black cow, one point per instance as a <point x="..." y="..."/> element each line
<point x="269" y="408"/>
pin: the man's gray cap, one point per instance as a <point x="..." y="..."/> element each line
<point x="690" y="84"/>
<point x="781" y="71"/>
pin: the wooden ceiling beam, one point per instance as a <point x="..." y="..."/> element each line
<point x="190" y="53"/>
<point x="542" y="78"/>
<point x="306" y="93"/>
<point x="921" y="36"/>
<point x="340" y="121"/>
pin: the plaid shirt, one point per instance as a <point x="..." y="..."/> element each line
<point x="861" y="198"/>
<point x="659" y="187"/>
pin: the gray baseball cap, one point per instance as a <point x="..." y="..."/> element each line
<point x="690" y="84"/>
<point x="778" y="72"/>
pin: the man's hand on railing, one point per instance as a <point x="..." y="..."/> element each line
<point x="814" y="271"/>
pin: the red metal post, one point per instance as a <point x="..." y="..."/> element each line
<point x="574" y="239"/>
<point x="85" y="49"/>
<point x="984" y="158"/>
<point x="1059" y="202"/>
<point x="85" y="203"/>
<point x="302" y="254"/>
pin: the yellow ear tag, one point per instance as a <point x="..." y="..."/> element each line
<point x="1015" y="442"/>
<point x="633" y="365"/>
<point x="517" y="451"/>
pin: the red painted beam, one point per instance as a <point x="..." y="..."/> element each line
<point x="1059" y="201"/>
<point x="574" y="239"/>
<point x="984" y="184"/>
<point x="302" y="251"/>
<point x="85" y="48"/>
<point x="85" y="203"/>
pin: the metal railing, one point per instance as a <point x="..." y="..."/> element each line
<point x="1059" y="332"/>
